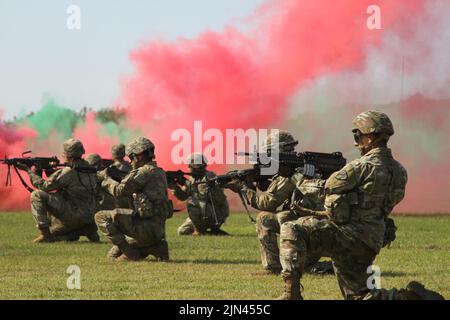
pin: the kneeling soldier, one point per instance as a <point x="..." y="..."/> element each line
<point x="138" y="232"/>
<point x="207" y="208"/>
<point x="67" y="213"/>
<point x="351" y="231"/>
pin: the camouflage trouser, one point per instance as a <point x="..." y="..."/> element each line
<point x="51" y="210"/>
<point x="107" y="201"/>
<point x="350" y="256"/>
<point x="205" y="220"/>
<point x="119" y="226"/>
<point x="267" y="228"/>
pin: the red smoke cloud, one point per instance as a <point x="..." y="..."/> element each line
<point x="94" y="140"/>
<point x="236" y="79"/>
<point x="12" y="143"/>
<point x="244" y="80"/>
<point x="424" y="148"/>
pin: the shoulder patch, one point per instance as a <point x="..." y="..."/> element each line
<point x="342" y="175"/>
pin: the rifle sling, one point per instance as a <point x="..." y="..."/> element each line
<point x="22" y="180"/>
<point x="246" y="207"/>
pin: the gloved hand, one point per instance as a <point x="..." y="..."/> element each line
<point x="235" y="185"/>
<point x="171" y="185"/>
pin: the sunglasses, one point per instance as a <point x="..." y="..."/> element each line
<point x="357" y="136"/>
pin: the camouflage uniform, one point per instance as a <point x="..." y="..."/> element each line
<point x="69" y="212"/>
<point x="204" y="214"/>
<point x="277" y="194"/>
<point x="94" y="159"/>
<point x="199" y="206"/>
<point x="118" y="154"/>
<point x="351" y="229"/>
<point x="139" y="232"/>
<point x="274" y="204"/>
<point x="122" y="166"/>
<point x="105" y="201"/>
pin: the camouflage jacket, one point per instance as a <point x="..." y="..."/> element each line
<point x="363" y="193"/>
<point x="197" y="197"/>
<point x="310" y="194"/>
<point x="147" y="182"/>
<point x="78" y="189"/>
<point x="123" y="166"/>
<point x="277" y="194"/>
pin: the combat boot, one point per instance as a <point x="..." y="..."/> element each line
<point x="196" y="232"/>
<point x="321" y="268"/>
<point x="114" y="253"/>
<point x="417" y="291"/>
<point x="90" y="232"/>
<point x="45" y="236"/>
<point x="218" y="232"/>
<point x="160" y="251"/>
<point x="291" y="288"/>
<point x="129" y="252"/>
<point x="72" y="237"/>
<point x="60" y="233"/>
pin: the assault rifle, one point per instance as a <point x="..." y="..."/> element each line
<point x="41" y="164"/>
<point x="105" y="163"/>
<point x="177" y="176"/>
<point x="112" y="171"/>
<point x="310" y="164"/>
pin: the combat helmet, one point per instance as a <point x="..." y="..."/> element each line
<point x="118" y="151"/>
<point x="73" y="148"/>
<point x="282" y="141"/>
<point x="140" y="145"/>
<point x="196" y="160"/>
<point x="93" y="159"/>
<point x="373" y="122"/>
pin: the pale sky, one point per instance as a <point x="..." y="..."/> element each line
<point x="40" y="56"/>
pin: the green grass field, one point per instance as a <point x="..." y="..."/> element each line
<point x="202" y="267"/>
